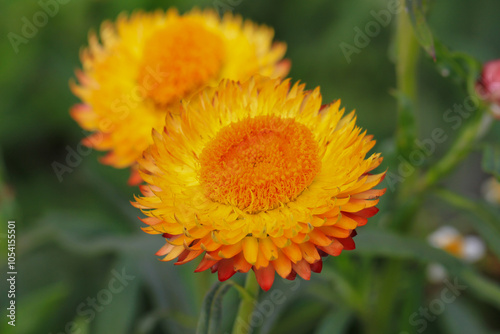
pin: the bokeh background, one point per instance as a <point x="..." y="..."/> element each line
<point x="74" y="236"/>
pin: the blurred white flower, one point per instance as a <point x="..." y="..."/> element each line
<point x="468" y="248"/>
<point x="491" y="191"/>
<point x="436" y="273"/>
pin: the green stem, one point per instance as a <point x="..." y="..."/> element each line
<point x="456" y="154"/>
<point x="378" y="319"/>
<point x="202" y="285"/>
<point x="455" y="199"/>
<point x="246" y="306"/>
<point x="381" y="301"/>
<point x="407" y="56"/>
<point x="407" y="48"/>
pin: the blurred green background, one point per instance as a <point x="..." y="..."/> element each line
<point x="74" y="237"/>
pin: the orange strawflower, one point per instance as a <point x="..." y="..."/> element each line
<point x="258" y="175"/>
<point x="148" y="62"/>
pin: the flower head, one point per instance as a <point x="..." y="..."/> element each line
<point x="488" y="85"/>
<point x="258" y="175"/>
<point x="150" y="61"/>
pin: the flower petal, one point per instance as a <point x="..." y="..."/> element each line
<point x="265" y="277"/>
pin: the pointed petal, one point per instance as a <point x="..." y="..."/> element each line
<point x="370" y="194"/>
<point x="165" y="249"/>
<point x="356" y="205"/>
<point x="265" y="277"/>
<point x="346" y="222"/>
<point x="175" y="252"/>
<point x="269" y="249"/>
<point x="226" y="269"/>
<point x="292" y="275"/>
<point x="360" y="220"/>
<point x="319" y="238"/>
<point x="240" y="264"/>
<point x="309" y="252"/>
<point x="293" y="252"/>
<point x="282" y="265"/>
<point x="334" y="231"/>
<point x="261" y="261"/>
<point x="348" y="243"/>
<point x="183" y="255"/>
<point x="250" y="249"/>
<point x="317" y="267"/>
<point x="151" y="221"/>
<point x="303" y="269"/>
<point x="281" y="242"/>
<point x="334" y="249"/>
<point x="228" y="251"/>
<point x="190" y="257"/>
<point x="204" y="265"/>
<point x="135" y="178"/>
<point x="367" y="213"/>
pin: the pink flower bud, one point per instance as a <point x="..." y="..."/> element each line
<point x="488" y="86"/>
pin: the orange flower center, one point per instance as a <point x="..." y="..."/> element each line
<point x="259" y="163"/>
<point x="455" y="247"/>
<point x="179" y="59"/>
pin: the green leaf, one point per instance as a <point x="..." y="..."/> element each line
<point x="147" y="323"/>
<point x="460" y="67"/>
<point x="384" y="243"/>
<point x="82" y="324"/>
<point x="460" y="318"/>
<point x="211" y="311"/>
<point x="414" y="296"/>
<point x="491" y="160"/>
<point x="301" y="316"/>
<point x="407" y="128"/>
<point x="346" y="293"/>
<point x="335" y="322"/>
<point x="83" y="234"/>
<point x="117" y="315"/>
<point x="423" y="33"/>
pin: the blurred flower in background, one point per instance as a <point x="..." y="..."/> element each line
<point x="491" y="190"/>
<point x="488" y="85"/>
<point x="259" y="175"/>
<point x="469" y="248"/>
<point x="149" y="61"/>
